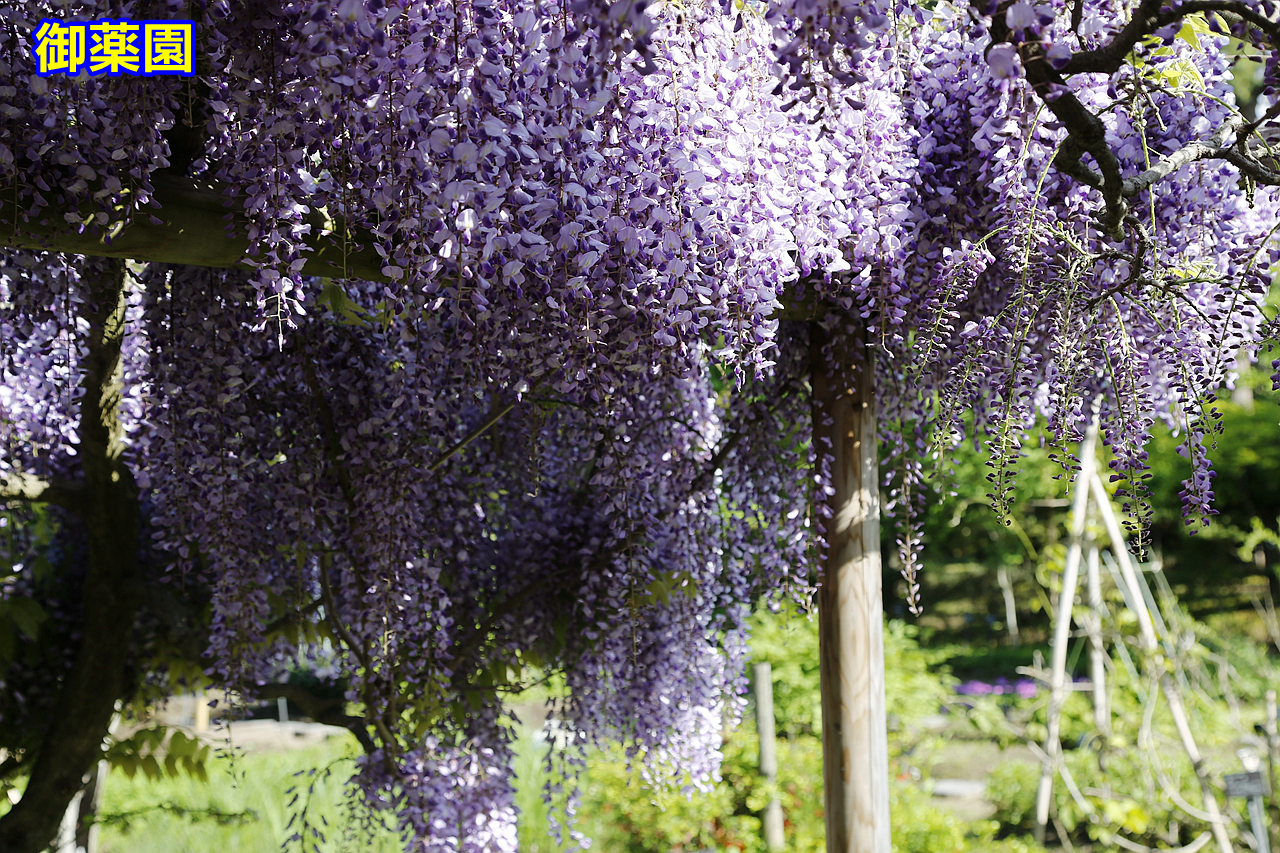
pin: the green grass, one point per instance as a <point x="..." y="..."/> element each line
<point x="244" y="807"/>
<point x="530" y="776"/>
<point x="534" y="825"/>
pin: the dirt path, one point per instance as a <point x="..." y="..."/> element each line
<point x="959" y="770"/>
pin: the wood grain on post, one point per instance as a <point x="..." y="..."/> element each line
<point x="850" y="618"/>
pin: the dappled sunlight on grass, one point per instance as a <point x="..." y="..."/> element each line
<point x="245" y="807"/>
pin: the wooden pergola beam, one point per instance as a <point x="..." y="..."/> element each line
<point x="198" y="223"/>
<point x="202" y="224"/>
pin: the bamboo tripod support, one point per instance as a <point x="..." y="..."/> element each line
<point x="1089" y="484"/>
<point x="1061" y="631"/>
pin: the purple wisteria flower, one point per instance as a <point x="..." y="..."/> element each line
<point x="1023" y="688"/>
<point x="567" y="433"/>
<point x="1004" y="62"/>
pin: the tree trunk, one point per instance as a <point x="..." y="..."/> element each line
<point x="88" y="830"/>
<point x="81" y="714"/>
<point x="855" y="748"/>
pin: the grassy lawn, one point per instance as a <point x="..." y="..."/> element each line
<point x="246" y="805"/>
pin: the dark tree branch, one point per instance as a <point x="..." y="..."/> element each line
<point x="330" y="435"/>
<point x="1086" y="133"/>
<point x="1250" y="166"/>
<point x="293" y="617"/>
<point x="331" y="615"/>
<point x="1238" y="155"/>
<point x="499" y="411"/>
<point x="1136" y="261"/>
<point x="329" y="711"/>
<point x="202" y="223"/>
<point x="1149" y="17"/>
<point x="333" y="452"/>
<point x="1190" y="154"/>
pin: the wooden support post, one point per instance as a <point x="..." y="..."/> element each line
<point x="1173" y="695"/>
<point x="773" y="836"/>
<point x="200" y="717"/>
<point x="1062" y="631"/>
<point x="855" y="749"/>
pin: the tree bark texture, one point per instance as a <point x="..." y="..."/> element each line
<point x="72" y="744"/>
<point x="850" y="615"/>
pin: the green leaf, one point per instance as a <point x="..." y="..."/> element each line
<point x="27" y="615"/>
<point x="336" y="298"/>
<point x="1194" y="26"/>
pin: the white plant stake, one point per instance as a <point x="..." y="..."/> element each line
<point x="1088" y="483"/>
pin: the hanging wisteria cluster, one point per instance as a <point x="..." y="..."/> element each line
<point x="565" y="432"/>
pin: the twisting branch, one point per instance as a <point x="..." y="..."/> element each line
<point x="335" y="621"/>
<point x="1250" y="166"/>
<point x="1086" y="134"/>
<point x="1238" y="155"/>
<point x="1189" y="154"/>
<point x="329" y="711"/>
<point x="333" y="452"/>
<point x="1136" y="261"/>
<point x="499" y="411"/>
<point x="1151" y="15"/>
